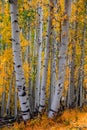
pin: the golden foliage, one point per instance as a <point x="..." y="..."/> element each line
<point x="69" y="120"/>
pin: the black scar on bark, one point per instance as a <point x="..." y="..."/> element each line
<point x="15" y="21"/>
<point x="18" y="66"/>
<point x="22" y="78"/>
<point x="24" y="114"/>
<point x="25" y="111"/>
<point x="41" y="106"/>
<point x="19" y="86"/>
<point x="17" y="30"/>
<point x="58" y="93"/>
<point x="24" y="102"/>
<point x="17" y="80"/>
<point x="23" y="94"/>
<point x="59" y="84"/>
<point x="53" y="111"/>
<point x="11" y="1"/>
<point x="24" y="88"/>
<point x="11" y="39"/>
<point x="17" y="43"/>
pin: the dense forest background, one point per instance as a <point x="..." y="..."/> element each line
<point x="43" y="58"/>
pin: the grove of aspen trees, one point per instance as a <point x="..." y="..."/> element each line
<point x="43" y="63"/>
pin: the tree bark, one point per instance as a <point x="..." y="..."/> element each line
<point x="53" y="54"/>
<point x="62" y="61"/>
<point x="45" y="67"/>
<point x="20" y="80"/>
<point x="79" y="99"/>
<point x="38" y="78"/>
<point x="71" y="98"/>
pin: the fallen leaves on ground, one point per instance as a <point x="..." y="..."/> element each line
<point x="69" y="120"/>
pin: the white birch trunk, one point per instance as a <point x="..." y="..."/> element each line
<point x="20" y="80"/>
<point x="62" y="62"/>
<point x="53" y="54"/>
<point x="45" y="68"/>
<point x="30" y="78"/>
<point x="53" y="70"/>
<point x="38" y="78"/>
<point x="53" y="51"/>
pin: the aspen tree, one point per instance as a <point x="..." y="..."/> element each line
<point x="71" y="92"/>
<point x="79" y="99"/>
<point x="45" y="67"/>
<point x="53" y="54"/>
<point x="62" y="61"/>
<point x="20" y="80"/>
<point x="38" y="78"/>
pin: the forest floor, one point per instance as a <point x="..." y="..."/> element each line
<point x="68" y="120"/>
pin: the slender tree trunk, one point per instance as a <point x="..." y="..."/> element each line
<point x="82" y="58"/>
<point x="68" y="92"/>
<point x="72" y="68"/>
<point x="45" y="67"/>
<point x="33" y="71"/>
<point x="3" y="102"/>
<point x="53" y="70"/>
<point x="20" y="80"/>
<point x="9" y="96"/>
<point x="62" y="62"/>
<point x="30" y="74"/>
<point x="38" y="79"/>
<point x="79" y="101"/>
<point x="53" y="55"/>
